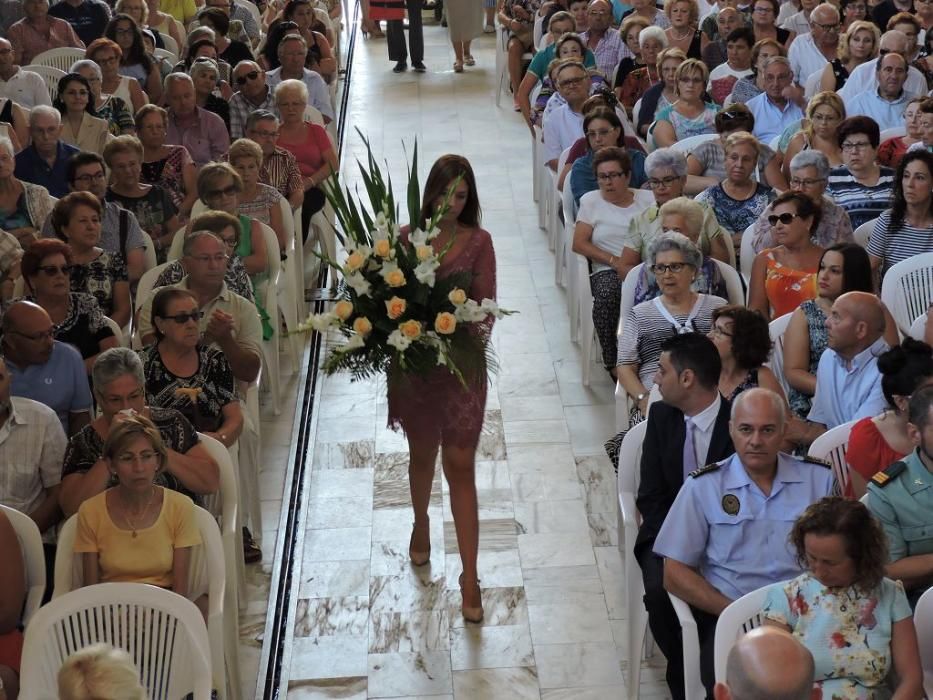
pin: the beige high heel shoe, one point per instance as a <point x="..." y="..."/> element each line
<point x="471" y="592"/>
<point x="419" y="547"/>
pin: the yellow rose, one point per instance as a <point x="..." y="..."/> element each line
<point x="410" y="329"/>
<point x="395" y="278"/>
<point x="383" y="248"/>
<point x="445" y="323"/>
<point x="343" y="310"/>
<point x="355" y="261"/>
<point x="395" y="307"/>
<point x="457" y="296"/>
<point x="362" y="326"/>
<point x="424" y="252"/>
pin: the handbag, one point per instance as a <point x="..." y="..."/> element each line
<point x="380" y="10"/>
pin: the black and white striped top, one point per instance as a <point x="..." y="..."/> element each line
<point x="862" y="202"/>
<point x="893" y="246"/>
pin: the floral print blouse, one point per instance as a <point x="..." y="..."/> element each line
<point x="848" y="632"/>
<point x="98" y="277"/>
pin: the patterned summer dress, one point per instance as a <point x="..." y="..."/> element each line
<point x="787" y="288"/>
<point x="819" y="340"/>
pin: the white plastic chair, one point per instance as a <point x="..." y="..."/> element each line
<point x="564" y="249"/>
<point x="907" y="289"/>
<point x="623" y="401"/>
<point x="30" y="542"/>
<point x="62" y="58"/>
<point x="687" y="145"/>
<point x="778" y="328"/>
<point x="288" y="287"/>
<point x="166" y="54"/>
<point x="923" y="622"/>
<point x="863" y="233"/>
<point x="555" y="228"/>
<point x="636" y="112"/>
<point x="832" y="446"/>
<point x="267" y="293"/>
<point x="170" y="44"/>
<point x="629" y="520"/>
<point x="149" y="260"/>
<point x="747" y="254"/>
<point x="502" y="62"/>
<point x="146" y="284"/>
<point x="739" y="618"/>
<point x="117" y="331"/>
<point x="918" y="328"/>
<point x="50" y="76"/>
<point x="892" y="132"/>
<point x="693" y="683"/>
<point x="733" y="283"/>
<point x="163" y="632"/>
<point x="587" y="329"/>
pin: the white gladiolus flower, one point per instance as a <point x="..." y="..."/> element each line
<point x="491" y="308"/>
<point x="425" y="271"/>
<point x="469" y="312"/>
<point x="321" y="322"/>
<point x="359" y="284"/>
<point x="355" y="342"/>
<point x="398" y="341"/>
<point x="418" y="238"/>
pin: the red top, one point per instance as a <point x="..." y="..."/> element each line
<point x="310" y="152"/>
<point x="868" y="452"/>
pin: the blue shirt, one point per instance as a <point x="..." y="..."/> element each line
<point x="61" y="383"/>
<point x="848" y="393"/>
<point x="745" y="548"/>
<point x="583" y="179"/>
<point x="771" y="120"/>
<point x="888" y="114"/>
<point x="32" y="167"/>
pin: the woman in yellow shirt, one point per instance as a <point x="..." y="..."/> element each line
<point x="137" y="531"/>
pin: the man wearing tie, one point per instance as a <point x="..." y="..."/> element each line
<point x="689" y="429"/>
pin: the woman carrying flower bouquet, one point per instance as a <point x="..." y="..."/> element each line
<point x="436" y="410"/>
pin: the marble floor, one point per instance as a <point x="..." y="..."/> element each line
<point x="365" y="623"/>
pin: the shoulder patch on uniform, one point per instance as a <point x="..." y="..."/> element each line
<point x="884" y="477"/>
<point x="709" y="468"/>
<point x="817" y="460"/>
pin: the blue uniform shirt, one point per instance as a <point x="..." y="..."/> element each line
<point x="61" y="383"/>
<point x="736" y="537"/>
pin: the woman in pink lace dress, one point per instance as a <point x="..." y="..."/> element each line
<point x="436" y="411"/>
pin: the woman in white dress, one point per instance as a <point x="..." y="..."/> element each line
<point x="465" y="23"/>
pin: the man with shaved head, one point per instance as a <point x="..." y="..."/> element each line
<point x="768" y="663"/>
<point x="727" y="532"/>
<point x="42" y="368"/>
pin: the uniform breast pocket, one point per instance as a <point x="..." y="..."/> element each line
<point x="727" y="533"/>
<point x="919" y="539"/>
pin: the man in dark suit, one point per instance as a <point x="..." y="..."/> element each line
<point x="688" y="379"/>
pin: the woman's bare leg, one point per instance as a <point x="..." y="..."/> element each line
<point x="422" y="457"/>
<point x="460" y="470"/>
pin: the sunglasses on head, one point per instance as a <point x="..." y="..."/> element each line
<point x="252" y="75"/>
<point x="181" y="319"/>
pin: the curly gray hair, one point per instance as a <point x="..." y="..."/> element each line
<point x="666" y="159"/>
<point x="114" y="363"/>
<point x="676" y="242"/>
<point x="811" y="159"/>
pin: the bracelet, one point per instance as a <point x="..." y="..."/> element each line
<point x="612" y="259"/>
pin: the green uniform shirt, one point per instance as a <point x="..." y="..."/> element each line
<point x="903" y="503"/>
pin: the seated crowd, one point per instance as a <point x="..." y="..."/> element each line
<point x="786" y="148"/>
<point x="193" y="165"/>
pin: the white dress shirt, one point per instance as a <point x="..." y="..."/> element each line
<point x="562" y="128"/>
<point x="805" y="58"/>
<point x="25" y="88"/>
<point x="865" y="79"/>
<point x="888" y="113"/>
<point x="703" y="423"/>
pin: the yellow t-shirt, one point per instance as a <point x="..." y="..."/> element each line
<point x="146" y="558"/>
<point x="182" y="10"/>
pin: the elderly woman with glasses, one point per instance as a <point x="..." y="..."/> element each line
<point x="168" y="166"/>
<point x="667" y="175"/>
<point x="689" y="115"/>
<point x="674" y="260"/>
<point x="602" y="222"/>
<point x="107" y="55"/>
<point x="206" y="77"/>
<point x="601" y="128"/>
<point x="110" y="108"/>
<point x="809" y="173"/>
<point x="46" y="268"/>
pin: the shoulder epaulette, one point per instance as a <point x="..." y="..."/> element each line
<point x="885" y="477"/>
<point x="817" y="460"/>
<point x="708" y="469"/>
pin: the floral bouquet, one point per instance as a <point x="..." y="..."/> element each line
<point x="393" y="310"/>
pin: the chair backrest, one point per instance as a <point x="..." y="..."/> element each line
<point x="636" y="111"/>
<point x="562" y="160"/>
<point x="222" y="505"/>
<point x="628" y="293"/>
<point x="117" y="331"/>
<point x="812" y="84"/>
<point x="50" y="76"/>
<point x="146" y="284"/>
<point x="778" y="328"/>
<point x="163" y="632"/>
<point x="178" y="240"/>
<point x="923" y="622"/>
<point x="892" y="132"/>
<point x="313" y="115"/>
<point x="733" y="283"/>
<point x="62" y="58"/>
<point x="907" y="289"/>
<point x="167" y="54"/>
<point x="863" y="233"/>
<point x="30" y="542"/>
<point x="918" y="328"/>
<point x="686" y="145"/>
<point x="170" y="44"/>
<point x="739" y="618"/>
<point x="630" y="458"/>
<point x="747" y="254"/>
<point x="831" y="446"/>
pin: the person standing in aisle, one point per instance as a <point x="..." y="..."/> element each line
<point x="465" y="23"/>
<point x="395" y="34"/>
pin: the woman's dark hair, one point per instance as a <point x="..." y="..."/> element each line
<point x="613" y="154"/>
<point x="606" y="115"/>
<point x="803" y="204"/>
<point x="162" y="300"/>
<point x="573" y="37"/>
<point x="65" y="208"/>
<point x="756" y="51"/>
<point x="898" y="203"/>
<point x="856" y="267"/>
<point x="137" y="52"/>
<point x="865" y="541"/>
<point x="291" y="6"/>
<point x="445" y="170"/>
<point x="775" y="5"/>
<point x="751" y="335"/>
<point x="216" y="19"/>
<point x="696" y="352"/>
<point x="37" y="251"/>
<point x="59" y="103"/>
<point x="904" y="367"/>
<point x="735" y="117"/>
<point x="603" y="96"/>
<point x="192" y="51"/>
<point x="270" y="50"/>
<point x="859" y="125"/>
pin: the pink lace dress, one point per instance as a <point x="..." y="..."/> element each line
<point x="437" y="406"/>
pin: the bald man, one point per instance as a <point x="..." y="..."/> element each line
<point x="768" y="664"/>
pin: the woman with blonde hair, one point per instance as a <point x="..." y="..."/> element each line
<point x="257" y="201"/>
<point x="689" y="115"/>
<point x="99" y="671"/>
<point x="857" y="45"/>
<point x="684" y="32"/>
<point x="825" y="113"/>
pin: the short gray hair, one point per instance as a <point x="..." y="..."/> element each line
<point x="777" y="403"/>
<point x="204" y="65"/>
<point x="652" y="32"/>
<point x="777" y="59"/>
<point x="666" y="159"/>
<point x="260" y="115"/>
<point x="173" y="78"/>
<point x="290" y="37"/>
<point x="44" y="111"/>
<point x="825" y="7"/>
<point x="676" y="242"/>
<point x="193" y="236"/>
<point x="86" y="63"/>
<point x="114" y="363"/>
<point x="811" y="159"/>
<point x="291" y="85"/>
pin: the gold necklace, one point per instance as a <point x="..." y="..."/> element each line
<point x="141" y="516"/>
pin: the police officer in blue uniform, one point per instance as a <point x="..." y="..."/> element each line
<point x="726" y="534"/>
<point x="901" y="497"/>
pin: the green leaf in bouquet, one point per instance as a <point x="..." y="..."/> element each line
<point x="414" y="189"/>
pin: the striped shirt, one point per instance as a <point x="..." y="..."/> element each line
<point x="904" y="241"/>
<point x="862" y="202"/>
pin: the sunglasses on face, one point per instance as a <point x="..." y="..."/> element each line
<point x="252" y="75"/>
<point x="183" y="318"/>
<point x="784" y="218"/>
<point x="225" y="192"/>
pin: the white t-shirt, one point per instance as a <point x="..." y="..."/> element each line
<point x="25" y="88"/>
<point x="865" y="79"/>
<point x="562" y="128"/>
<point x="610" y="223"/>
<point x="724" y="70"/>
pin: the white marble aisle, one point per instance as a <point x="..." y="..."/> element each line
<point x="367" y="624"/>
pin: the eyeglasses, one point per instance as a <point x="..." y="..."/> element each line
<point x="52" y="270"/>
<point x="182" y="319"/>
<point x="231" y="242"/>
<point x="220" y="258"/>
<point x="225" y="192"/>
<point x="662" y="182"/>
<point x="660" y="269"/>
<point x="826" y="27"/>
<point x="784" y="218"/>
<point x="609" y="177"/>
<point x="806" y="182"/>
<point x="598" y="132"/>
<point x="146" y="457"/>
<point x="572" y="82"/>
<point x="252" y="75"/>
<point x="91" y="177"/>
<point x="105" y="61"/>
<point x="825" y="118"/>
<point x="41" y="335"/>
<point x="860" y="146"/>
<point x="718" y="332"/>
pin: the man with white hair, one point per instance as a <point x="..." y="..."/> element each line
<point x="45" y="161"/>
<point x="727" y="532"/>
<point x="203" y="133"/>
<point x="865" y="76"/>
<point x="292" y="52"/>
<point x="772" y="110"/>
<point x="810" y="52"/>
<point x="24" y="87"/>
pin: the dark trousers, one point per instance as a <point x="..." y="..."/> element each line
<point x="49" y="551"/>
<point x="395" y="35"/>
<point x="665" y="628"/>
<point x="312" y="203"/>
